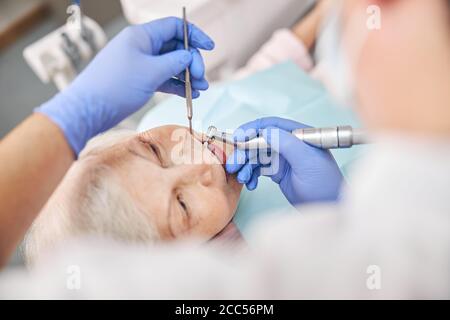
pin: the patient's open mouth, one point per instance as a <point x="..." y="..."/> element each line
<point x="221" y="156"/>
<point x="218" y="152"/>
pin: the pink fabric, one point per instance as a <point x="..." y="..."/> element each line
<point x="282" y="46"/>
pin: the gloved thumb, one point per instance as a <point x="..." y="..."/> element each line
<point x="285" y="144"/>
<point x="168" y="65"/>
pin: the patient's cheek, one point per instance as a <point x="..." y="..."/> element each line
<point x="224" y="215"/>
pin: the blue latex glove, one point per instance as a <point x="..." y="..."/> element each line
<point x="139" y="61"/>
<point x="305" y="174"/>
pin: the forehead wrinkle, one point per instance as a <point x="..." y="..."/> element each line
<point x="152" y="137"/>
<point x="145" y="134"/>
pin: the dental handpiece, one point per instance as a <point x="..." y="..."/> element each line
<point x="324" y="138"/>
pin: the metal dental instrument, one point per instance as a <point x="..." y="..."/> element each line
<point x="324" y="138"/>
<point x="188" y="86"/>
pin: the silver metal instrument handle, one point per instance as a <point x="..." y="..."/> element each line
<point x="360" y="137"/>
<point x="332" y="138"/>
<point x="325" y="138"/>
<point x="253" y="144"/>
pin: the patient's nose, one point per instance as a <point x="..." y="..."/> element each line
<point x="206" y="177"/>
<point x="198" y="173"/>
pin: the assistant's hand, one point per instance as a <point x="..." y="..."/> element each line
<point x="139" y="61"/>
<point x="305" y="173"/>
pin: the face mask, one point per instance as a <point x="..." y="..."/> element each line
<point x="335" y="67"/>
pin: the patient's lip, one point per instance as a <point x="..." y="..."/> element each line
<point x="221" y="156"/>
<point x="215" y="150"/>
<point x="218" y="152"/>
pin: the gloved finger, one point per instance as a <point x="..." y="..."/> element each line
<point x="253" y="183"/>
<point x="200" y="84"/>
<point x="171" y="45"/>
<point x="236" y="161"/>
<point x="276" y="169"/>
<point x="244" y="134"/>
<point x="255" y="126"/>
<point x="182" y="76"/>
<point x="245" y="174"/>
<point x="197" y="67"/>
<point x="167" y="66"/>
<point x="239" y="158"/>
<point x="167" y="29"/>
<point x="174" y="86"/>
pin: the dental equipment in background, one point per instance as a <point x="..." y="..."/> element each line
<point x="187" y="80"/>
<point x="324" y="138"/>
<point x="86" y="33"/>
<point x="70" y="47"/>
<point x="61" y="55"/>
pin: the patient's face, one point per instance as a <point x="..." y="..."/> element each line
<point x="176" y="180"/>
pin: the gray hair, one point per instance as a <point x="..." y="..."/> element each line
<point x="95" y="204"/>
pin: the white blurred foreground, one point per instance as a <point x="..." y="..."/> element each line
<point x="389" y="238"/>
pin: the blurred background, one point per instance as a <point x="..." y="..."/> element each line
<point x="239" y="27"/>
<point x="22" y="22"/>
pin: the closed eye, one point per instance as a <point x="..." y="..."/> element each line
<point x="183" y="205"/>
<point x="156" y="152"/>
<point x="154" y="149"/>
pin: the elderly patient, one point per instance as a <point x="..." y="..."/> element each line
<point x="159" y="185"/>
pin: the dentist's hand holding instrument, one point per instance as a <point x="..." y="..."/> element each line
<point x="304" y="173"/>
<point x="140" y="61"/>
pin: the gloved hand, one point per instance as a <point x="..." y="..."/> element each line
<point x="305" y="173"/>
<point x="139" y="61"/>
